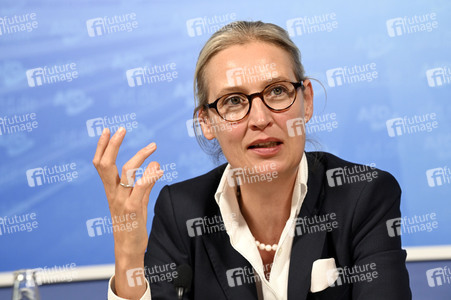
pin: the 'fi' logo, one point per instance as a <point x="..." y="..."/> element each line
<point x="335" y="77"/>
<point x="335" y="177"/>
<point x="394" y="227"/>
<point x="135" y="77"/>
<point x="435" y="177"/>
<point x="95" y="126"/>
<point x="96" y="27"/>
<point x="95" y="227"/>
<point x="435" y="77"/>
<point x="35" y="77"/>
<point x="35" y="177"/>
<point x="395" y="27"/>
<point x="395" y="127"/>
<point x="195" y="27"/>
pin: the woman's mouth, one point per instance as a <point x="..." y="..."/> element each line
<point x="266" y="147"/>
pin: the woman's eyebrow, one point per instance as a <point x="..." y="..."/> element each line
<point x="279" y="78"/>
<point x="240" y="89"/>
<point x="231" y="89"/>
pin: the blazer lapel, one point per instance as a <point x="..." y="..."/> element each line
<point x="307" y="246"/>
<point x="233" y="271"/>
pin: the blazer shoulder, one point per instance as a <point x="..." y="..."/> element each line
<point x="202" y="181"/>
<point x="195" y="193"/>
<point x="351" y="174"/>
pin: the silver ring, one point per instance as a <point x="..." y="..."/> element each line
<point x="125" y="185"/>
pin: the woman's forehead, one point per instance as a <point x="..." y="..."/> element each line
<point x="251" y="64"/>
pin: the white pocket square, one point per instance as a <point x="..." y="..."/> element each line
<point x="324" y="274"/>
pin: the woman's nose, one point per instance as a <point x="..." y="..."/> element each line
<point x="260" y="116"/>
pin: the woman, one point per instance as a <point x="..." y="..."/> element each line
<point x="275" y="222"/>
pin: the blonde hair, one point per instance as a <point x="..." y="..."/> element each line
<point x="238" y="33"/>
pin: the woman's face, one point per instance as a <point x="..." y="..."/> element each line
<point x="262" y="137"/>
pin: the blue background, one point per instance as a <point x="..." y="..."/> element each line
<point x="162" y="109"/>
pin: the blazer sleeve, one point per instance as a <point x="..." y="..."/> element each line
<point x="378" y="203"/>
<point x="166" y="249"/>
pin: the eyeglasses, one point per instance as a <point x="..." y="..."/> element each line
<point x="277" y="96"/>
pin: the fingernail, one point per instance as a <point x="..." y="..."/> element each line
<point x="151" y="146"/>
<point x="121" y="130"/>
<point x="105" y="130"/>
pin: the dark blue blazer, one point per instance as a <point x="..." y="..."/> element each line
<point x="362" y="209"/>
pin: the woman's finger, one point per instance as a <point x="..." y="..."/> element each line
<point x="102" y="143"/>
<point x="145" y="184"/>
<point x="134" y="164"/>
<point x="110" y="174"/>
<point x="130" y="169"/>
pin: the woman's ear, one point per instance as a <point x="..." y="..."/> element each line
<point x="308" y="100"/>
<point x="205" y="124"/>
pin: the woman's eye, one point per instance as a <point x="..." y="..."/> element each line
<point x="233" y="101"/>
<point x="278" y="91"/>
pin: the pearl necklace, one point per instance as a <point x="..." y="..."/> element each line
<point x="268" y="248"/>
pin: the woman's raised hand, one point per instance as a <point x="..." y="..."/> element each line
<point x="128" y="207"/>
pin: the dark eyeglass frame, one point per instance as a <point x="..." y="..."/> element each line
<point x="299" y="84"/>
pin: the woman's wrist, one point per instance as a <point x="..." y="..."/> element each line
<point x="128" y="252"/>
<point x="125" y="259"/>
<point x="129" y="276"/>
